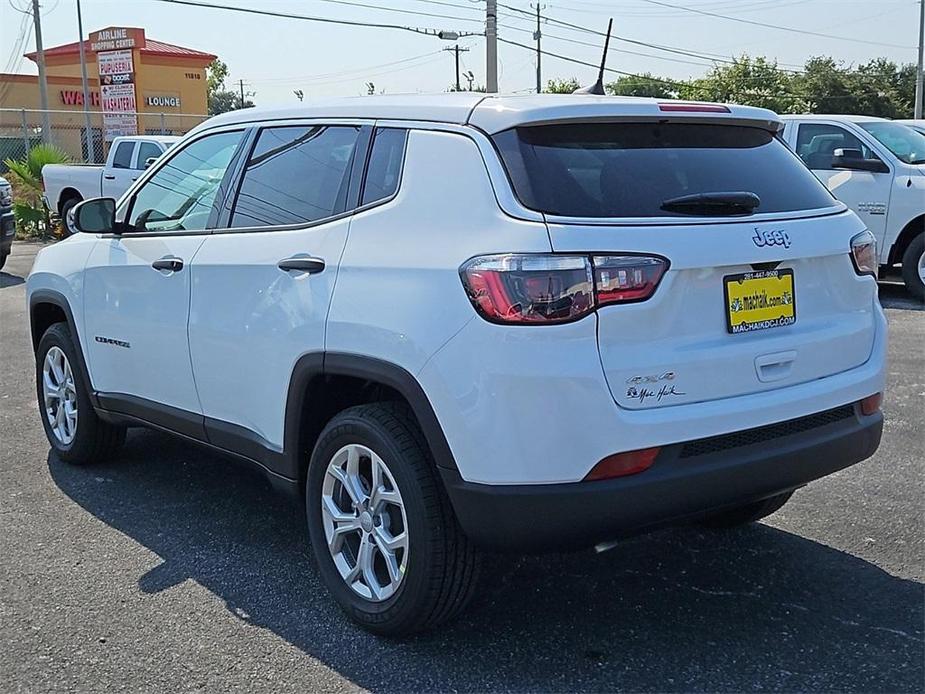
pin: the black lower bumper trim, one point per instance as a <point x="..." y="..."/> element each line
<point x="548" y="517"/>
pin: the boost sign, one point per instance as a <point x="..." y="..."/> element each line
<point x="117" y="86"/>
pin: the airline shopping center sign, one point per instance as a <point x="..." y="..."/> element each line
<point x="113" y="49"/>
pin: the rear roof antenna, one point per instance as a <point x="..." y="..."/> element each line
<point x="598" y="87"/>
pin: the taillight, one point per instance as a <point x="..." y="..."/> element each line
<point x="623" y="278"/>
<point x="871" y="404"/>
<point x="623" y="464"/>
<point x="864" y="254"/>
<point x="548" y="288"/>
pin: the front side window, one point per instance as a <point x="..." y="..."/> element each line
<point x="122" y="159"/>
<point x="817" y="142"/>
<point x="384" y="168"/>
<point x="295" y="175"/>
<point x="642" y="169"/>
<point x="179" y="196"/>
<point x="146" y="150"/>
<point x="907" y="144"/>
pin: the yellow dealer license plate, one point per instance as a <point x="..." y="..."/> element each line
<point x="759" y="300"/>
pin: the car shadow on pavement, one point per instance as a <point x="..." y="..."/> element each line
<point x="8" y="280"/>
<point x="754" y="608"/>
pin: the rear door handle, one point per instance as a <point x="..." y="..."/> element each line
<point x="302" y="263"/>
<point x="109" y="178"/>
<point x="168" y="263"/>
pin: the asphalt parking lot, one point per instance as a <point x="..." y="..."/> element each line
<point x="172" y="569"/>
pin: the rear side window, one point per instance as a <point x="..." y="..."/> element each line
<point x="295" y="175"/>
<point x="631" y="169"/>
<point x="817" y="142"/>
<point x="384" y="169"/>
<point x="122" y="159"/>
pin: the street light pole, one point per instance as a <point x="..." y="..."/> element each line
<point x="537" y="35"/>
<point x="88" y="125"/>
<point x="918" y="72"/>
<point x="43" y="81"/>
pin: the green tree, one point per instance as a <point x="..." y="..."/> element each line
<point x="645" y="84"/>
<point x="220" y="99"/>
<point x="561" y="86"/>
<point x="748" y="81"/>
<point x="826" y="87"/>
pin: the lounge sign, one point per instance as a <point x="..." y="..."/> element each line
<point x="158" y="101"/>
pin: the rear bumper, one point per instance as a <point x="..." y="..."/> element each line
<point x="686" y="481"/>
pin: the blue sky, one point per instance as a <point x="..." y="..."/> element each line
<point x="276" y="56"/>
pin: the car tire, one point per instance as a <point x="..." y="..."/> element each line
<point x="3" y="257"/>
<point x="66" y="207"/>
<point x="436" y="568"/>
<point x="84" y="438"/>
<point x="747" y="513"/>
<point x="912" y="262"/>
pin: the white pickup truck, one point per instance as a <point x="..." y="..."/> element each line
<point x="877" y="168"/>
<point x="68" y="184"/>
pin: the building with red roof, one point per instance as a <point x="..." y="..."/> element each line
<point x="164" y="84"/>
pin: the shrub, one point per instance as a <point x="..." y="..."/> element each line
<point x="33" y="218"/>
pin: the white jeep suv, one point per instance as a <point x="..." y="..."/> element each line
<point x="469" y="322"/>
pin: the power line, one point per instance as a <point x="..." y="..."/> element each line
<point x="659" y="47"/>
<point x="310" y="18"/>
<point x="372" y="70"/>
<point x="752" y="22"/>
<point x="394" y="9"/>
<point x="641" y="78"/>
<point x="546" y="34"/>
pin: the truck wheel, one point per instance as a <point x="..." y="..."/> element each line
<point x="66" y="207"/>
<point x="385" y="539"/>
<point x="914" y="267"/>
<point x="748" y="513"/>
<point x="3" y="257"/>
<point x="73" y="428"/>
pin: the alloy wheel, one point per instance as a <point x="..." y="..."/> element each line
<point x="60" y="395"/>
<point x="365" y="524"/>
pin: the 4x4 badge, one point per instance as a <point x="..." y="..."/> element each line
<point x="772" y="237"/>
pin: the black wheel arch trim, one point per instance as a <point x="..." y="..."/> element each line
<point x="56" y="298"/>
<point x="319" y="364"/>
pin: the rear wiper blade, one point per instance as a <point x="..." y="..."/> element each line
<point x="720" y="203"/>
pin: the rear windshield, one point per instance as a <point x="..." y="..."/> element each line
<point x="631" y="169"/>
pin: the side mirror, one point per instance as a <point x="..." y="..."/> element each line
<point x="149" y="161"/>
<point x="95" y="216"/>
<point x="854" y="159"/>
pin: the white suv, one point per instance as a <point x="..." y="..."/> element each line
<point x="463" y="322"/>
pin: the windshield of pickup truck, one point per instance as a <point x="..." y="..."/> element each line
<point x="906" y="144"/>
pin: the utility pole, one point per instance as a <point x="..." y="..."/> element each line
<point x="88" y="126"/>
<point x="241" y="84"/>
<point x="918" y="72"/>
<point x="491" y="46"/>
<point x="457" y="50"/>
<point x="537" y="35"/>
<point x="43" y="80"/>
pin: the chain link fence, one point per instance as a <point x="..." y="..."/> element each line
<point x="22" y="129"/>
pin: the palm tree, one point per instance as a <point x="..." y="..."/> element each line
<point x="31" y="213"/>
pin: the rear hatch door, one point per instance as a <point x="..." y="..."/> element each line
<point x="753" y="300"/>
